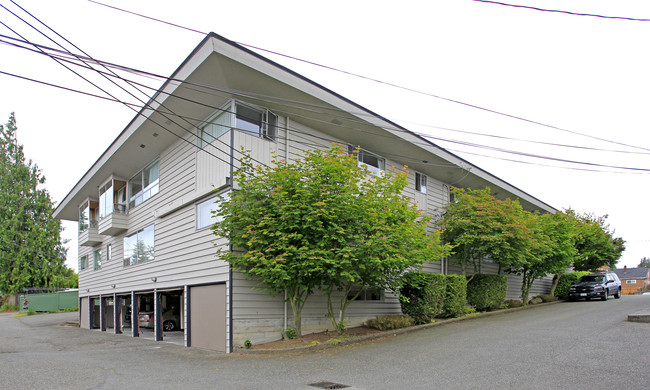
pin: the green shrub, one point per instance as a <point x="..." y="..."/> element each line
<point x="422" y="296"/>
<point x="535" y="301"/>
<point x="566" y="280"/>
<point x="514" y="303"/>
<point x="30" y="312"/>
<point x="290" y="332"/>
<point x="7" y="307"/>
<point x="487" y="292"/>
<point x="389" y="322"/>
<point x="547" y="298"/>
<point x="455" y="296"/>
<point x="248" y="344"/>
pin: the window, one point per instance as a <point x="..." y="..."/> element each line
<point x="254" y="120"/>
<point x="204" y="212"/>
<point x="112" y="198"/>
<point x="420" y="182"/>
<point x="259" y="122"/>
<point x="372" y="294"/>
<point x="374" y="162"/>
<point x="84" y="216"/>
<point x="87" y="215"/>
<point x="144" y="184"/>
<point x="83" y="262"/>
<point x="631" y="281"/>
<point x="109" y="252"/>
<point x="216" y="126"/>
<point x="97" y="259"/>
<point x="139" y="246"/>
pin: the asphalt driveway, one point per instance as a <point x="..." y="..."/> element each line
<point x="577" y="345"/>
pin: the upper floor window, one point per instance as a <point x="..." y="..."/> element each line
<point x="112" y="198"/>
<point x="144" y="184"/>
<point x="257" y="121"/>
<point x="373" y="162"/>
<point x="420" y="182"/>
<point x="254" y="120"/>
<point x="109" y="252"/>
<point x="139" y="246"/>
<point x="87" y="215"/>
<point x="205" y="212"/>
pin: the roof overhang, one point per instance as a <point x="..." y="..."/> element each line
<point x="218" y="70"/>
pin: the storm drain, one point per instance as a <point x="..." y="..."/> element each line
<point x="328" y="385"/>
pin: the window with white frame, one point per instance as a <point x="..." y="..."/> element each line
<point x="144" y="184"/>
<point x="245" y="117"/>
<point x="205" y="211"/>
<point x="420" y="183"/>
<point x="631" y="281"/>
<point x="83" y="262"/>
<point x="109" y="252"/>
<point x="97" y="259"/>
<point x="139" y="246"/>
<point x="373" y="162"/>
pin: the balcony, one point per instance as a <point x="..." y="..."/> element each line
<point x="114" y="223"/>
<point x="90" y="236"/>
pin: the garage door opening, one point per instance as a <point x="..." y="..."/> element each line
<point x="164" y="319"/>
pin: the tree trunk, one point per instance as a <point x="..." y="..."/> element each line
<point x="556" y="280"/>
<point x="296" y="306"/>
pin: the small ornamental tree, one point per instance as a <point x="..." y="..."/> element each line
<point x="322" y="223"/>
<point x="477" y="225"/>
<point x="595" y="243"/>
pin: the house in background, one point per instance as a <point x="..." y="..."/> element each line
<point x="143" y="207"/>
<point x="633" y="280"/>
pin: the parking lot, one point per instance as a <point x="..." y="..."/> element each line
<point x="577" y="345"/>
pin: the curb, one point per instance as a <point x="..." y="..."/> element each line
<point x="388" y="333"/>
<point x="640" y="316"/>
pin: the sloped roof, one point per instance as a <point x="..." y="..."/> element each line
<point x="217" y="61"/>
<point x="632" y="273"/>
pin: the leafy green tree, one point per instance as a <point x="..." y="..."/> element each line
<point x="561" y="229"/>
<point x="479" y="225"/>
<point x="645" y="262"/>
<point x="322" y="223"/>
<point x="595" y="243"/>
<point x="31" y="251"/>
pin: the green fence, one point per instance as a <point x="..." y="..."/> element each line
<point x="51" y="302"/>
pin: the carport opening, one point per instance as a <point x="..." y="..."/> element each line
<point x="172" y="311"/>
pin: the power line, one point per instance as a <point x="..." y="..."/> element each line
<point x="168" y="79"/>
<point x="385" y="153"/>
<point x="387" y="83"/>
<point x="295" y="104"/>
<point x="562" y="11"/>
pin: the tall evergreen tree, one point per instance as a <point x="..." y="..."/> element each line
<point x="31" y="251"/>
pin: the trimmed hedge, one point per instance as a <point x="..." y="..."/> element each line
<point x="455" y="296"/>
<point x="487" y="292"/>
<point x="389" y="322"/>
<point x="566" y="280"/>
<point x="422" y="296"/>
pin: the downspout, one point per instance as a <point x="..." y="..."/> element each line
<point x="230" y="297"/>
<point x="286" y="159"/>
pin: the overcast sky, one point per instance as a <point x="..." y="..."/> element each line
<point x="584" y="80"/>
